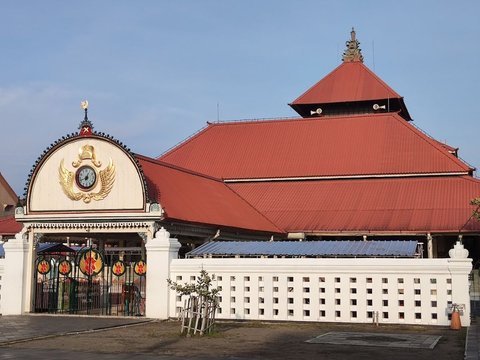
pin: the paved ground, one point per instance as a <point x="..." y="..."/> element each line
<point x="88" y="339"/>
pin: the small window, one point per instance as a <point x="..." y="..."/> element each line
<point x="401" y="291"/>
<point x="275" y="300"/>
<point x="353" y="280"/>
<point x="306" y="279"/>
<point x="232" y="288"/>
<point x="337" y="279"/>
<point x="337" y="290"/>
<point x="306" y="290"/>
<point x="322" y="290"/>
<point x="433" y="281"/>
<point x="353" y="314"/>
<point x="384" y="280"/>
<point x="418" y="291"/>
<point x="401" y="302"/>
<point x="321" y="279"/>
<point x="261" y="289"/>
<point x="179" y="278"/>
<point x="338" y="313"/>
<point x="416" y="280"/>
<point x="322" y="313"/>
<point x="322" y="301"/>
<point x="401" y="315"/>
<point x="232" y="311"/>
<point x="260" y="278"/>
<point x="306" y="312"/>
<point x="232" y="299"/>
<point x="246" y="300"/>
<point x="449" y="281"/>
<point x="290" y="300"/>
<point x="434" y="303"/>
<point x="433" y="291"/>
<point x="261" y="311"/>
<point x="369" y="302"/>
<point x="369" y="291"/>
<point x="219" y="310"/>
<point x="290" y="312"/>
<point x="247" y="311"/>
<point x="290" y="278"/>
<point x="369" y="314"/>
<point x="353" y="291"/>
<point x="353" y="302"/>
<point x="337" y="301"/>
<point x="192" y="278"/>
<point x="385" y="315"/>
<point x="400" y="280"/>
<point x="275" y="311"/>
<point x="275" y="278"/>
<point x="384" y="291"/>
<point x="246" y="278"/>
<point x="385" y="302"/>
<point x="275" y="289"/>
<point x="247" y="288"/>
<point x="306" y="301"/>
<point x="261" y="300"/>
<point x="434" y="316"/>
<point x="418" y="316"/>
<point x="219" y="278"/>
<point x="232" y="278"/>
<point x="369" y="280"/>
<point x="418" y="303"/>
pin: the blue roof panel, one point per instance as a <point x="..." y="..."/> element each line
<point x="375" y="248"/>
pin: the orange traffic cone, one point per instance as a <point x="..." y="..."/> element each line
<point x="455" y="322"/>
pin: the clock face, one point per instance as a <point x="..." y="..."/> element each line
<point x="86" y="178"/>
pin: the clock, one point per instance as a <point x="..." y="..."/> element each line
<point x="86" y="177"/>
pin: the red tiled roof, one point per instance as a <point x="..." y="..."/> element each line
<point x="375" y="144"/>
<point x="192" y="197"/>
<point x="351" y="81"/>
<point x="9" y="226"/>
<point x="394" y="205"/>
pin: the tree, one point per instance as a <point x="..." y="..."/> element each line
<point x="198" y="312"/>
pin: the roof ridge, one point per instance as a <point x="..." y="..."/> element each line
<point x="173" y="148"/>
<point x="423" y="135"/>
<point x="8" y="187"/>
<point x="176" y="167"/>
<point x="254" y="208"/>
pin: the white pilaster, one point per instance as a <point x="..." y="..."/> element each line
<point x="13" y="289"/>
<point x="160" y="251"/>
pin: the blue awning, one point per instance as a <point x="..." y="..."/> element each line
<point x="374" y="248"/>
<point x="49" y="248"/>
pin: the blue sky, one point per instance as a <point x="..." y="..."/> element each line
<point x="154" y="71"/>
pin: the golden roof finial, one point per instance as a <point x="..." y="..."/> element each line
<point x="353" y="51"/>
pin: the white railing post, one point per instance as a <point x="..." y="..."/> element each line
<point x="161" y="250"/>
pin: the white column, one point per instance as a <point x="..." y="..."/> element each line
<point x="160" y="251"/>
<point x="430" y="246"/>
<point x="13" y="289"/>
<point x="460" y="266"/>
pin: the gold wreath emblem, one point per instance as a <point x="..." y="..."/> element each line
<point x="107" y="178"/>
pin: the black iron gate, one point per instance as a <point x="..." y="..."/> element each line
<point x="91" y="282"/>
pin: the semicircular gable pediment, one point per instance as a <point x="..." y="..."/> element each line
<point x="86" y="174"/>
